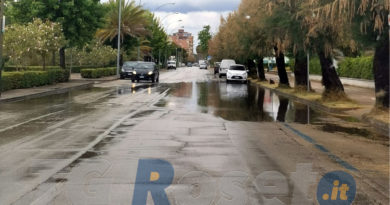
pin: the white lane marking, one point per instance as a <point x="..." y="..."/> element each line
<point x="28" y="121"/>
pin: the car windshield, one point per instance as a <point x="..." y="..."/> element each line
<point x="144" y="66"/>
<point x="237" y="68"/>
<point x="130" y="64"/>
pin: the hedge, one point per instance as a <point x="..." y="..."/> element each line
<point x="75" y="69"/>
<point x="29" y="68"/>
<point x="361" y="68"/>
<point x="28" y="79"/>
<point x="98" y="72"/>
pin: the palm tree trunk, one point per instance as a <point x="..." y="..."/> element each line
<point x="260" y="69"/>
<point x="283" y="78"/>
<point x="300" y="71"/>
<point x="334" y="89"/>
<point x="62" y="58"/>
<point x="381" y="73"/>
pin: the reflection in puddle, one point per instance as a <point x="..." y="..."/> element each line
<point x="237" y="102"/>
<point x="241" y="102"/>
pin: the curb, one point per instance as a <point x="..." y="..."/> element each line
<point x="47" y="93"/>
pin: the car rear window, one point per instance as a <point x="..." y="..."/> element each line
<point x="237" y="68"/>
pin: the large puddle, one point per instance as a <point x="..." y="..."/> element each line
<point x="242" y="102"/>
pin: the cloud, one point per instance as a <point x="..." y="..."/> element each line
<point x="185" y="6"/>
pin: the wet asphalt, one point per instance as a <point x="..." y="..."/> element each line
<point x="226" y="143"/>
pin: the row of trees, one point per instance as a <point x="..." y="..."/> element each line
<point x="82" y="27"/>
<point x="262" y="28"/>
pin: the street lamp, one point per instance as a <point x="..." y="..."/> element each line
<point x="162" y="20"/>
<point x="172" y="3"/>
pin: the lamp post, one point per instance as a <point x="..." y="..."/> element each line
<point x="119" y="39"/>
<point x="172" y="3"/>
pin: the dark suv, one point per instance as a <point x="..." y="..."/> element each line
<point x="146" y="71"/>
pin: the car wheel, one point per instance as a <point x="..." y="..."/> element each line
<point x="220" y="76"/>
<point x="227" y="81"/>
<point x="132" y="80"/>
<point x="122" y="77"/>
<point x="154" y="79"/>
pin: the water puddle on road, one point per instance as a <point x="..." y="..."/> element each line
<point x="242" y="102"/>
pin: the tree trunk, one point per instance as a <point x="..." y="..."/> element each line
<point x="334" y="89"/>
<point x="381" y="73"/>
<point x="260" y="69"/>
<point x="62" y="58"/>
<point x="44" y="62"/>
<point x="283" y="78"/>
<point x="53" y="60"/>
<point x="300" y="71"/>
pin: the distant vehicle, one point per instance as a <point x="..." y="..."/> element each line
<point x="146" y="71"/>
<point x="171" y="65"/>
<point x="127" y="69"/>
<point x="195" y="64"/>
<point x="189" y="64"/>
<point x="225" y="65"/>
<point x="237" y="73"/>
<point x="217" y="65"/>
<point x="202" y="64"/>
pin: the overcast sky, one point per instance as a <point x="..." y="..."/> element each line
<point x="193" y="14"/>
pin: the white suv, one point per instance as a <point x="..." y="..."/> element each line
<point x="225" y="65"/>
<point x="171" y="65"/>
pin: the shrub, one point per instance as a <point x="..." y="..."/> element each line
<point x="98" y="72"/>
<point x="29" y="68"/>
<point x="28" y="79"/>
<point x="361" y="68"/>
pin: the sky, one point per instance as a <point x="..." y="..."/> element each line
<point x="192" y="15"/>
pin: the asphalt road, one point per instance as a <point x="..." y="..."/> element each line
<point x="192" y="138"/>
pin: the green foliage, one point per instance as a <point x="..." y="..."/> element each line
<point x="204" y="38"/>
<point x="29" y="68"/>
<point x="93" y="54"/>
<point x="79" y="19"/>
<point x="28" y="79"/>
<point x="361" y="68"/>
<point x="315" y="66"/>
<point x="98" y="72"/>
<point x="36" y="39"/>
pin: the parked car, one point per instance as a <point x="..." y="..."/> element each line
<point x="171" y="65"/>
<point x="189" y="64"/>
<point x="225" y="65"/>
<point x="202" y="64"/>
<point x="196" y="65"/>
<point x="237" y="73"/>
<point x="146" y="71"/>
<point x="217" y="65"/>
<point x="127" y="69"/>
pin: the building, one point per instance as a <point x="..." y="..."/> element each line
<point x="184" y="40"/>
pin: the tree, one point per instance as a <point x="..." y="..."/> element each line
<point x="366" y="21"/>
<point x="204" y="38"/>
<point x="37" y="37"/>
<point x="133" y="23"/>
<point x="79" y="19"/>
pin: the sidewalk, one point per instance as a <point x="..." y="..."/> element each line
<point x="75" y="83"/>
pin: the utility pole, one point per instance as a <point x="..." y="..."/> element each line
<point x="2" y="26"/>
<point x="119" y="39"/>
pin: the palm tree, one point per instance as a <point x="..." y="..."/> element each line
<point x="366" y="20"/>
<point x="133" y="21"/>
